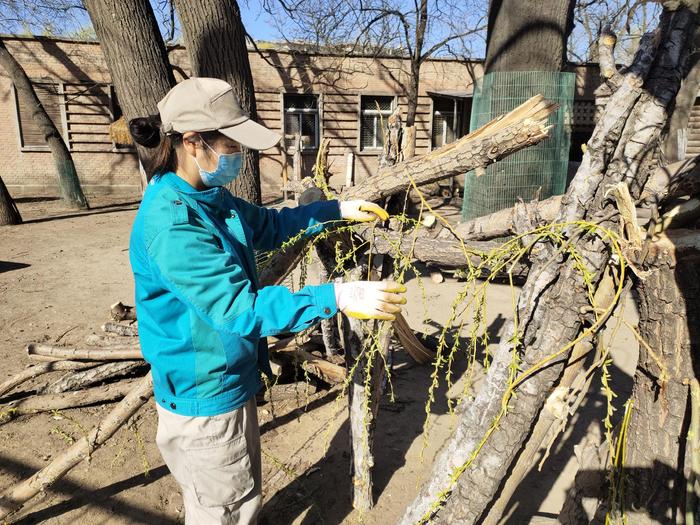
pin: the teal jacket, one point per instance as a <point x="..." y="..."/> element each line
<point x="203" y="316"/>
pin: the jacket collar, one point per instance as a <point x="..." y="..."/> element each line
<point x="211" y="197"/>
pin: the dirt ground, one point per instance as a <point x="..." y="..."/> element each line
<point x="60" y="271"/>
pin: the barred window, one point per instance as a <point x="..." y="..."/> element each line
<point x="374" y="112"/>
<point x="81" y="111"/>
<point x="301" y="120"/>
<point x="30" y="135"/>
<point x="446" y="120"/>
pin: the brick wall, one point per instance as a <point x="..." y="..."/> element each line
<point x="338" y="81"/>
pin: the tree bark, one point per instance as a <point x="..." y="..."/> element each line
<point x="64" y="352"/>
<point x="39" y="369"/>
<point x="9" y="214"/>
<point x="216" y="42"/>
<point x="80" y="379"/>
<point x="551" y="302"/>
<point x="48" y="402"/>
<point x="522" y="36"/>
<point x="68" y="183"/>
<point x="669" y="318"/>
<point x="135" y="53"/>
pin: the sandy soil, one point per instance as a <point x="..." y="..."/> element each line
<point x="60" y="271"/>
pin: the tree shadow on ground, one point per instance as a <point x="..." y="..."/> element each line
<point x="81" y="496"/>
<point x="319" y="495"/>
<point x="96" y="210"/>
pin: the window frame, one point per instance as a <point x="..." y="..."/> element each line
<point x="457" y="114"/>
<point x="63" y="124"/>
<point x="44" y="148"/>
<point x="377" y="113"/>
<point x="298" y="113"/>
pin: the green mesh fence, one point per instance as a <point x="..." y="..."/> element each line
<point x="541" y="168"/>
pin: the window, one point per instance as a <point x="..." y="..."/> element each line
<point x="374" y="112"/>
<point x="81" y="111"/>
<point x="31" y="137"/>
<point x="446" y="120"/>
<point x="301" y="120"/>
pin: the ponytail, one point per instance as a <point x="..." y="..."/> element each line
<point x="146" y="131"/>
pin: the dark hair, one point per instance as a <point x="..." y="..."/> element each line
<point x="146" y="131"/>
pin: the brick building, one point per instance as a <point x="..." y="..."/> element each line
<point x="311" y="96"/>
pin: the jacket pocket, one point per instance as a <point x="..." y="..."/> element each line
<point x="222" y="474"/>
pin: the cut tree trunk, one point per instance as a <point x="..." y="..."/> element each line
<point x="9" y="214"/>
<point x="135" y="53"/>
<point x="552" y="299"/>
<point x="669" y="323"/>
<point x="16" y="496"/>
<point x="216" y="43"/>
<point x="361" y="424"/>
<point x="67" y="177"/>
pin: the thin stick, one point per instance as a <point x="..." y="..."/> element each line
<point x="121" y="329"/>
<point x="16" y="496"/>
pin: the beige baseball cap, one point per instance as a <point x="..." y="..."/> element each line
<point x="208" y="104"/>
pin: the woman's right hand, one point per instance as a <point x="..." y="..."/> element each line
<point x="370" y="299"/>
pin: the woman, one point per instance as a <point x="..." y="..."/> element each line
<point x="203" y="317"/>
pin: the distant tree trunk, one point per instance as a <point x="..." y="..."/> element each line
<point x="216" y="42"/>
<point x="9" y="214"/>
<point x="68" y="183"/>
<point x="681" y="113"/>
<point x="135" y="53"/>
<point x="525" y="36"/>
<point x="669" y="312"/>
<point x="416" y="61"/>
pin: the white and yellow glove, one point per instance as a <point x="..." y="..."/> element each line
<point x="362" y="211"/>
<point x="370" y="299"/>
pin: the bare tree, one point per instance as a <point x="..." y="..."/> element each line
<point x="215" y="40"/>
<point x="413" y="30"/>
<point x="68" y="183"/>
<point x="137" y="59"/>
<point x="9" y="214"/>
<point x="627" y="20"/>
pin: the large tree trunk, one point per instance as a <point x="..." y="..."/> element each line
<point x="550" y="304"/>
<point x="676" y="141"/>
<point x="136" y="56"/>
<point x="669" y="312"/>
<point x="215" y="40"/>
<point x="9" y="214"/>
<point x="68" y="183"/>
<point x="524" y="36"/>
<point x="525" y="41"/>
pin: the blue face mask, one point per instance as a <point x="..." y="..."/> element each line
<point x="227" y="169"/>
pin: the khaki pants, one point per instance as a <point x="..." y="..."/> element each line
<point x="216" y="461"/>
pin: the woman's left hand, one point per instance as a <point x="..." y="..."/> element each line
<point x="362" y="211"/>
